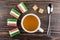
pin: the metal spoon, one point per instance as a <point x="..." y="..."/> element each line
<point x="50" y="10"/>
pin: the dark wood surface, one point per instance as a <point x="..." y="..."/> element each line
<point x="5" y="7"/>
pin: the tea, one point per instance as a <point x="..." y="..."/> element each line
<point x="30" y="23"/>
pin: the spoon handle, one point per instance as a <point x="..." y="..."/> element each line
<point x="48" y="32"/>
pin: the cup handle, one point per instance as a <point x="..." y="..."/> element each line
<point x="41" y="30"/>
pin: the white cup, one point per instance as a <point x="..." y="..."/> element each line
<point x="39" y="24"/>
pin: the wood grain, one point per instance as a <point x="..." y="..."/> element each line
<point x="5" y="7"/>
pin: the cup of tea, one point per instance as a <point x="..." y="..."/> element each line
<point x="31" y="23"/>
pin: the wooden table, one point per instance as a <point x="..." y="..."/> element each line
<point x="5" y="7"/>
